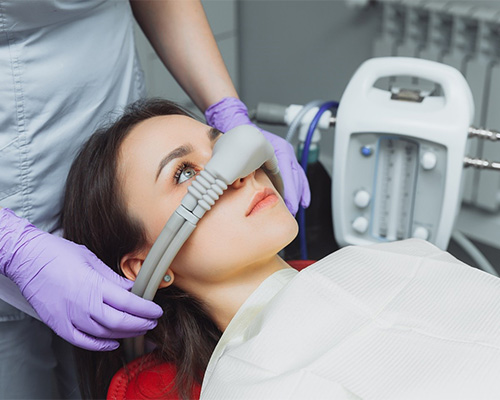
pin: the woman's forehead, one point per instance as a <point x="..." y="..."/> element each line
<point x="149" y="141"/>
<point x="169" y="127"/>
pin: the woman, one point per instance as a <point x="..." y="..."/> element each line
<point x="136" y="210"/>
<point x="390" y="321"/>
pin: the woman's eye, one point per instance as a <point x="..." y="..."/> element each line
<point x="186" y="174"/>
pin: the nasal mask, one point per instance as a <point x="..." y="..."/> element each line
<point x="236" y="154"/>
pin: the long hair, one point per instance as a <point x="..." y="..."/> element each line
<point x="94" y="215"/>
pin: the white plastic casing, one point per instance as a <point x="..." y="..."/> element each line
<point x="436" y="127"/>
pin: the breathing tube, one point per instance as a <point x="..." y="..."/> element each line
<point x="301" y="215"/>
<point x="298" y="118"/>
<point x="236" y="154"/>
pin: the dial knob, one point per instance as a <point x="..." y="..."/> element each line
<point x="360" y="225"/>
<point x="362" y="198"/>
<point x="421" y="233"/>
<point x="428" y="160"/>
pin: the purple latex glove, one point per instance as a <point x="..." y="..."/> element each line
<point x="231" y="112"/>
<point x="72" y="291"/>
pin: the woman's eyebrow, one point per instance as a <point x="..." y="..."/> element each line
<point x="184" y="150"/>
<point x="179" y="152"/>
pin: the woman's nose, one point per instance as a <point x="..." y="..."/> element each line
<point x="240" y="182"/>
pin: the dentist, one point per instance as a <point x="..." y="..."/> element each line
<point x="64" y="66"/>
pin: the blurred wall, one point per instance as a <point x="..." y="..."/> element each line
<point x="295" y="51"/>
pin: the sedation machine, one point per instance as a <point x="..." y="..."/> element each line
<point x="401" y="162"/>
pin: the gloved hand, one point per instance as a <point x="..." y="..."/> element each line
<point x="231" y="112"/>
<point x="72" y="291"/>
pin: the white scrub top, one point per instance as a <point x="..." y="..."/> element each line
<point x="64" y="64"/>
<point x="391" y="321"/>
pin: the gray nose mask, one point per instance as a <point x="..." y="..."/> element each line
<point x="236" y="154"/>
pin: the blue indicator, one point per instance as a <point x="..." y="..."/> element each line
<point x="367" y="151"/>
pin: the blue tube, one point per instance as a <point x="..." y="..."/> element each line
<point x="303" y="162"/>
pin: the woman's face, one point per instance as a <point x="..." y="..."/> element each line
<point x="158" y="161"/>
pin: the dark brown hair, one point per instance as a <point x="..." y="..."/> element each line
<point x="94" y="215"/>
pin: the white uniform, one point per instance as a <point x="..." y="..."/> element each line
<point x="63" y="66"/>
<point x="391" y="321"/>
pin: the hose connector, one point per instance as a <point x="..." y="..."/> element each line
<point x="481" y="133"/>
<point x="481" y="164"/>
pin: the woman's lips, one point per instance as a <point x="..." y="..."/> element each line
<point x="260" y="200"/>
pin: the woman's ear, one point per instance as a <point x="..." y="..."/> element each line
<point x="131" y="264"/>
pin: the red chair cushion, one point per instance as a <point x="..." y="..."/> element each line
<point x="300" y="264"/>
<point x="146" y="378"/>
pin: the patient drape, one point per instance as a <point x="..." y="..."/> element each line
<point x="398" y="321"/>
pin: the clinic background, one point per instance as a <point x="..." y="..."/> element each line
<point x="295" y="51"/>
